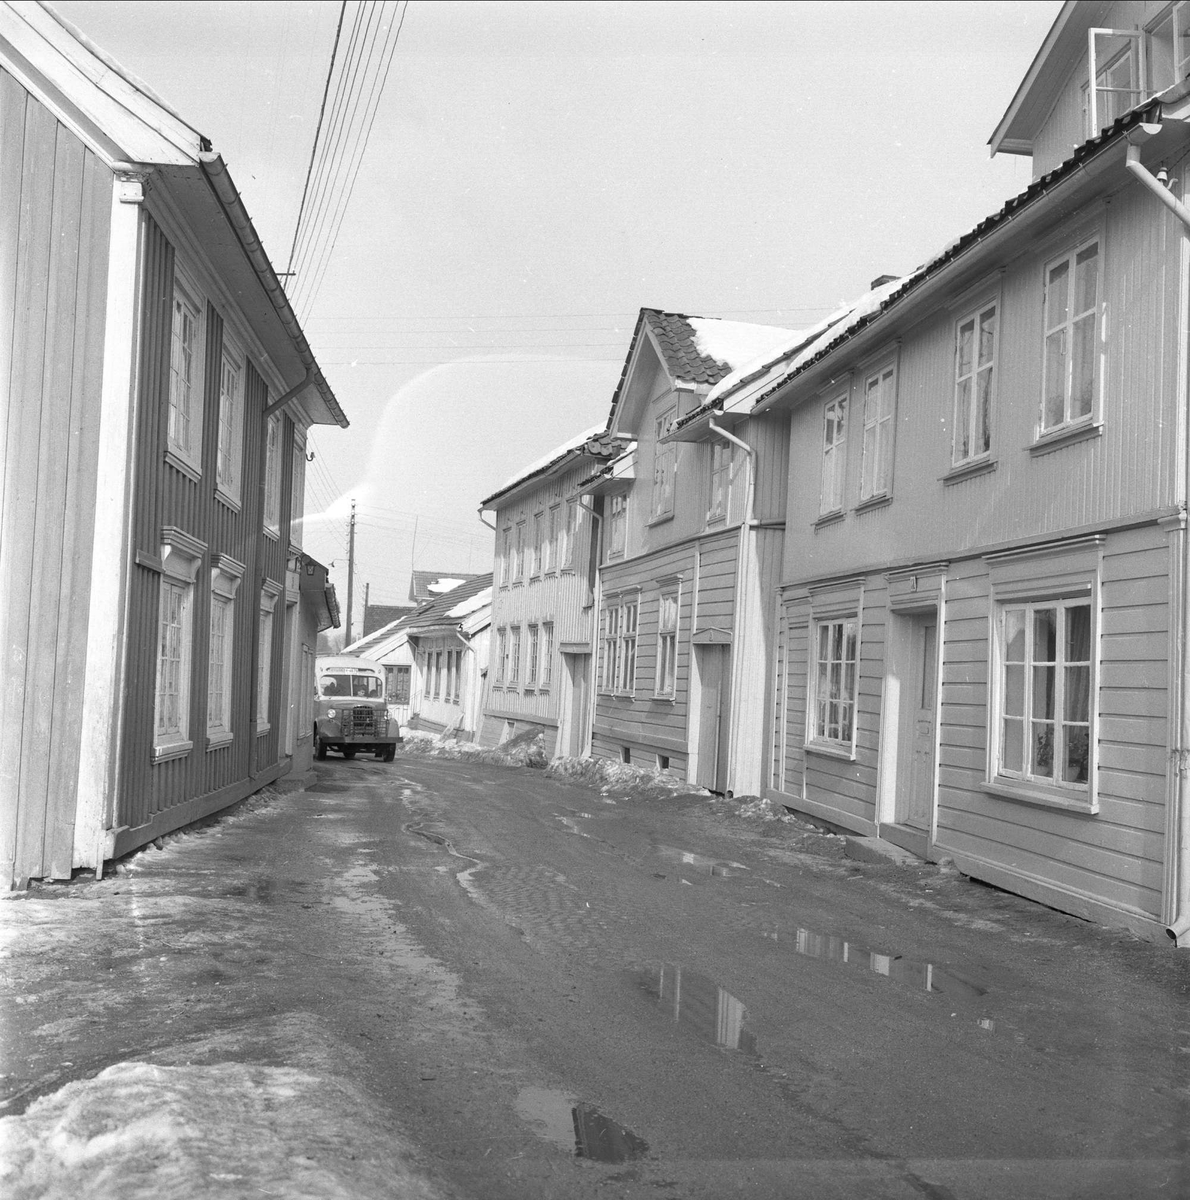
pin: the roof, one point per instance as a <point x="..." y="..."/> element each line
<point x="873" y="306"/>
<point x="439" y="612"/>
<point x="131" y="129"/>
<point x="425" y="585"/>
<point x="377" y="616"/>
<point x="591" y="443"/>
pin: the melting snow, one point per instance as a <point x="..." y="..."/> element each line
<point x="735" y="342"/>
<point x="474" y="604"/>
<point x="570" y="444"/>
<point x="444" y="585"/>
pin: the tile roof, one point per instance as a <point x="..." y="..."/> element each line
<point x="678" y="341"/>
<point x="421" y="583"/>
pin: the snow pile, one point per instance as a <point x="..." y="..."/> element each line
<point x="446" y="584"/>
<point x="540" y="464"/>
<point x="525" y="750"/>
<point x="611" y="777"/>
<point x="735" y="342"/>
<point x="144" y="1132"/>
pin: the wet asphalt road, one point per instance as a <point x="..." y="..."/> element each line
<point x="554" y="993"/>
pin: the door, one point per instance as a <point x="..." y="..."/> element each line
<point x="712" y="716"/>
<point x="915" y="790"/>
<point x="573" y="722"/>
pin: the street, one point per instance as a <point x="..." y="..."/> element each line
<point x="464" y="979"/>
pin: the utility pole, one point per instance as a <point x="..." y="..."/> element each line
<point x="350" y="573"/>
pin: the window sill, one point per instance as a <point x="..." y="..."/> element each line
<point x="873" y="502"/>
<point x="969" y="470"/>
<point x="271" y="532"/>
<point x="830" y="750"/>
<point x="659" y="519"/>
<point x="665" y="697"/>
<point x="222" y="738"/>
<point x="1066" y="437"/>
<point x="1043" y="795"/>
<point x="262" y="728"/>
<point x="172" y="750"/>
<point x="716" y="518"/>
<point x="184" y="465"/>
<point x="227" y="499"/>
<point x="828" y="519"/>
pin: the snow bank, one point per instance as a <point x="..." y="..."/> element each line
<point x="144" y="1132"/>
<point x="736" y="342"/>
<point x="446" y="584"/>
<point x="467" y="607"/>
<point x="612" y="777"/>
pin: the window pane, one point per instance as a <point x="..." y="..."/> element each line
<point x="1086" y="279"/>
<point x="1077" y="756"/>
<point x="987" y="337"/>
<point x="1043" y="750"/>
<point x="1012" y="748"/>
<point x="1014" y="691"/>
<point x="1078" y="633"/>
<point x="1055" y="379"/>
<point x="963" y="418"/>
<point x="983" y="413"/>
<point x="966" y="342"/>
<point x="1078" y="694"/>
<point x="1082" y="384"/>
<point x="1057" y="301"/>
<point x="1014" y="635"/>
<point x="1043" y="691"/>
<point x="1045" y="635"/>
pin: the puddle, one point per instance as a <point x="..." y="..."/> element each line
<point x="577" y="1128"/>
<point x="699" y="1003"/>
<point x="572" y="824"/>
<point x="919" y="975"/>
<point x="711" y="866"/>
<point x="325" y="788"/>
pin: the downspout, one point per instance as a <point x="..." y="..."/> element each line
<point x="492" y="527"/>
<point x="588" y="718"/>
<point x="738" y="720"/>
<point x="1178" y="828"/>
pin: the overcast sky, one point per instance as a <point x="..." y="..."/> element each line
<point x="537" y="172"/>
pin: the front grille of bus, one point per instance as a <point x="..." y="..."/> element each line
<point x="366" y="722"/>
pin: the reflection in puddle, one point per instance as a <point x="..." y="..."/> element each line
<point x="922" y="976"/>
<point x="577" y="1127"/>
<point x="700" y="1004"/>
<point x="714" y="866"/>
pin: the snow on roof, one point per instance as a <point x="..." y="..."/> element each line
<point x="540" y="464"/>
<point x="755" y="377"/>
<point x="446" y="584"/>
<point x="472" y="603"/>
<point x="737" y="342"/>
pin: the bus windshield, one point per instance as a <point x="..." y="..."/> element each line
<point x="367" y="687"/>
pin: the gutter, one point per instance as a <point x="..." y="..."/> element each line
<point x="217" y="176"/>
<point x="1178" y="827"/>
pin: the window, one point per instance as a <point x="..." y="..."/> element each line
<point x="1071" y="338"/>
<point x="617" y="526"/>
<point x="549" y="546"/>
<point x="184" y="426"/>
<point x="667" y="644"/>
<point x="535" y="566"/>
<point x="879" y="412"/>
<point x="506" y="557"/>
<point x="1115" y="67"/>
<point x="518" y="553"/>
<point x="832" y="711"/>
<point x="664" y="467"/>
<point x="834" y="456"/>
<point x="181" y="557"/>
<point x="514" y="661"/>
<point x="570" y="535"/>
<point x="618" y="659"/>
<point x="229" y="453"/>
<point x="501" y="655"/>
<point x="458" y="689"/>
<point x="721" y="458"/>
<point x="225" y="581"/>
<point x="437" y="673"/>
<point x="427" y="662"/>
<point x="547" y="654"/>
<point x="1169" y="48"/>
<point x="534" y="651"/>
<point x="297" y="489"/>
<point x="397" y="684"/>
<point x="264" y="667"/>
<point x="272" y="476"/>
<point x="975" y="354"/>
<point x="1045" y="689"/>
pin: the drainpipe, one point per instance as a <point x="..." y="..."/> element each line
<point x="1178" y="829"/>
<point x="596" y="599"/>
<point x="737" y="752"/>
<point x="492" y="527"/>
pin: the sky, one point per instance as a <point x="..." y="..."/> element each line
<point x="537" y="172"/>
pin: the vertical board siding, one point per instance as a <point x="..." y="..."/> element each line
<point x="54" y="225"/>
<point x="167" y="496"/>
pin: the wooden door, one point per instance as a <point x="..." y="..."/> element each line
<point x="916" y="783"/>
<point x="712" y="717"/>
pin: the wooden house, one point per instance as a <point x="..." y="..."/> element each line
<point x="159" y="387"/>
<point x="436" y="656"/>
<point x="690" y="526"/>
<point x="984" y="617"/>
<point x="542" y="602"/>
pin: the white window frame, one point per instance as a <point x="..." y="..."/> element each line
<point x="514" y="656"/>
<point x="665" y="464"/>
<point x="722" y="460"/>
<point x="617" y="525"/>
<point x="272" y="475"/>
<point x="229" y="449"/>
<point x="501" y="655"/>
<point x="506" y="557"/>
<point x="880" y="424"/>
<point x="181" y="559"/>
<point x="184" y="418"/>
<point x="617" y="662"/>
<point x="569" y="534"/>
<point x="668" y="621"/>
<point x="547" y="656"/>
<point x="226" y="575"/>
<point x="832" y="492"/>
<point x="609" y="646"/>
<point x="826" y="726"/>
<point x="264" y="654"/>
<point x="970" y="377"/>
<point x="1052" y="327"/>
<point x="532" y="663"/>
<point x="1107" y="100"/>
